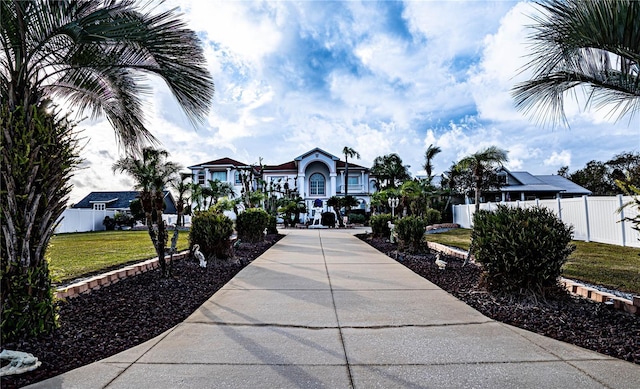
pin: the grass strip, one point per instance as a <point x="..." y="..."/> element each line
<point x="74" y="255"/>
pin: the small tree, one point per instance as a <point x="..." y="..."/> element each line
<point x="152" y="173"/>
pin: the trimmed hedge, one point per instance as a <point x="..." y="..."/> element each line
<point x="410" y="230"/>
<point x="379" y="225"/>
<point x="520" y="249"/>
<point x="251" y="224"/>
<point x="212" y="230"/>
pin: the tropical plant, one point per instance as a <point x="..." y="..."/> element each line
<point x="348" y="152"/>
<point x="181" y="184"/>
<point x="152" y="173"/>
<point x="410" y="230"/>
<point x="380" y="225"/>
<point x="90" y="54"/>
<point x="482" y="167"/>
<point x="38" y="153"/>
<point x="389" y="171"/>
<point x="594" y="44"/>
<point x="431" y="152"/>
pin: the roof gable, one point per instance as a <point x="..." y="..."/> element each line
<point x="317" y="150"/>
<point x="219" y="162"/>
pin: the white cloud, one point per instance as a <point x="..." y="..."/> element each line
<point x="562" y="158"/>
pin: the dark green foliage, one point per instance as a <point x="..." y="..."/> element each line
<point x="212" y="230"/>
<point x="109" y="223"/>
<point x="124" y="220"/>
<point x="520" y="249"/>
<point x="271" y="225"/>
<point x="328" y="219"/>
<point x="250" y="225"/>
<point x="38" y="152"/>
<point x="432" y="216"/>
<point x="357" y="218"/>
<point x="379" y="225"/>
<point x="410" y="230"/>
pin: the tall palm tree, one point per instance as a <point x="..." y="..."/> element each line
<point x="479" y="165"/>
<point x="152" y="173"/>
<point x="595" y="44"/>
<point x="431" y="152"/>
<point x="348" y="152"/>
<point x="92" y="55"/>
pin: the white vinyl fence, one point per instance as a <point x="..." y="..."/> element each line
<point x="85" y="220"/>
<point x="594" y="219"/>
<point x="82" y="220"/>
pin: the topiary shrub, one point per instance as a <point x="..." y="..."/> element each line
<point x="250" y="225"/>
<point x="212" y="230"/>
<point x="379" y="225"/>
<point x="432" y="216"/>
<point x="520" y="249"/>
<point x="328" y="219"/>
<point x="272" y="223"/>
<point x="410" y="230"/>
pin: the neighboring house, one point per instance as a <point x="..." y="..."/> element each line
<point x="315" y="175"/>
<point x="525" y="186"/>
<point x="120" y="201"/>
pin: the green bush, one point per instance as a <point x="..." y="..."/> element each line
<point x="432" y="216"/>
<point x="357" y="218"/>
<point x="272" y="223"/>
<point x="379" y="226"/>
<point x="250" y="225"/>
<point x="520" y="249"/>
<point x="212" y="230"/>
<point x="410" y="230"/>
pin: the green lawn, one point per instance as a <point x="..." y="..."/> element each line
<point x="73" y="255"/>
<point x="596" y="263"/>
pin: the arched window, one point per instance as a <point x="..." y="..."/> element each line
<point x="316" y="184"/>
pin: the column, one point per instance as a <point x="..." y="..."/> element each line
<point x="301" y="186"/>
<point x="229" y="178"/>
<point x="332" y="190"/>
<point x="362" y="190"/>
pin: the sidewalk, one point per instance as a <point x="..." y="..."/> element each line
<point x="321" y="309"/>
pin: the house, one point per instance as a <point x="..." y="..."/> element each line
<point x="120" y="201"/>
<point x="314" y="175"/>
<point x="525" y="186"/>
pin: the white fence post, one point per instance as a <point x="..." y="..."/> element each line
<point x="559" y="208"/>
<point x="620" y="205"/>
<point x="586" y="218"/>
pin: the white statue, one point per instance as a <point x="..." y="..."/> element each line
<point x="441" y="264"/>
<point x="19" y="362"/>
<point x="392" y="229"/>
<point x="317" y="216"/>
<point x="199" y="255"/>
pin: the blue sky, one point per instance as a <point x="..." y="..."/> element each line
<point x="380" y="77"/>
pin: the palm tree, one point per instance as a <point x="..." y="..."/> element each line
<point x="181" y="185"/>
<point x="389" y="170"/>
<point x="348" y="152"/>
<point x="91" y="55"/>
<point x="152" y="173"/>
<point x="428" y="158"/>
<point x="479" y="165"/>
<point x="220" y="189"/>
<point x="595" y="44"/>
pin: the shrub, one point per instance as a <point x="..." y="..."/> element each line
<point x="109" y="223"/>
<point x="272" y="223"/>
<point x="251" y="224"/>
<point x="357" y="218"/>
<point x="379" y="226"/>
<point x="328" y="219"/>
<point x="212" y="230"/>
<point x="520" y="249"/>
<point x="432" y="216"/>
<point x="410" y="230"/>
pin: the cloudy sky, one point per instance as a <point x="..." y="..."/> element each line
<point x="378" y="76"/>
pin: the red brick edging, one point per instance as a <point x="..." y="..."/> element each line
<point x="100" y="280"/>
